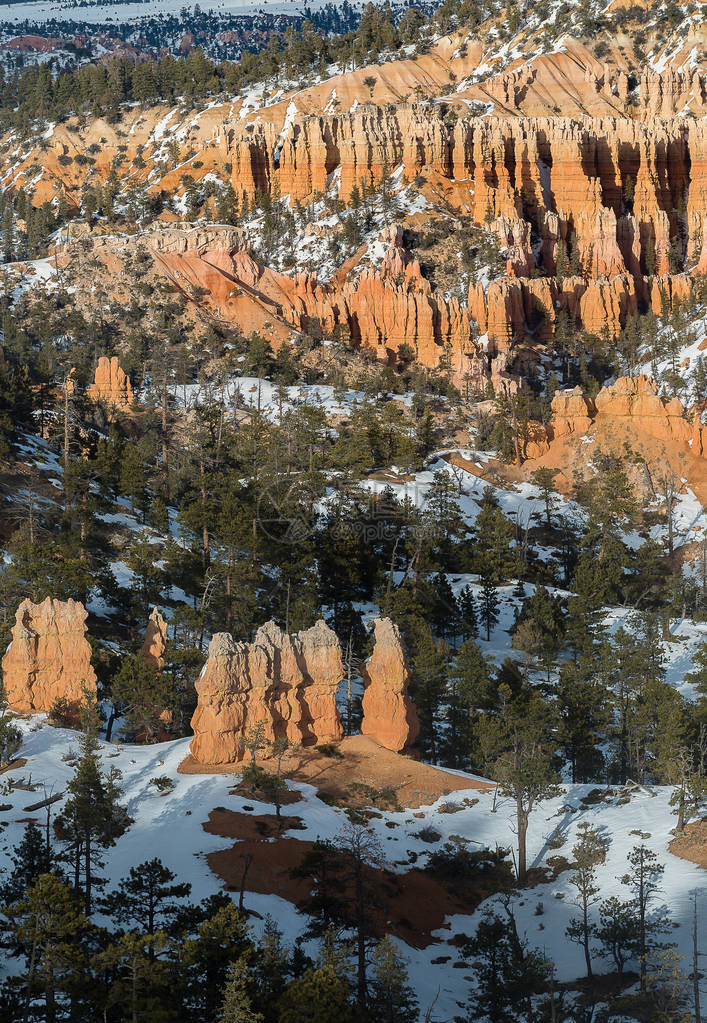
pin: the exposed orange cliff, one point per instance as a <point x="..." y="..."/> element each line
<point x="628" y="413"/>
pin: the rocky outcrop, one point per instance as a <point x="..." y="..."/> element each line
<point x="111" y="385"/>
<point x="285" y="683"/>
<point x="572" y="412"/>
<point x="382" y="310"/>
<point x="49" y="658"/>
<point x="628" y="414"/>
<point x="155" y="642"/>
<point x="389" y="715"/>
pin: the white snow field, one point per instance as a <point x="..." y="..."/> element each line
<point x="170" y="827"/>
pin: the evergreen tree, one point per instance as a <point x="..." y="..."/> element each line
<point x="520" y="750"/>
<point x="140" y="977"/>
<point x="30" y="859"/>
<point x="588" y="852"/>
<point x="237" y="1005"/>
<point x="617" y="932"/>
<point x="643" y="878"/>
<point x="468" y="690"/>
<point x="488" y="600"/>
<point x="91" y="820"/>
<point x="508" y="974"/>
<point x="48" y="922"/>
<point x="10" y="734"/>
<point x="143" y="696"/>
<point x="144" y="900"/>
<point x="392" y="1000"/>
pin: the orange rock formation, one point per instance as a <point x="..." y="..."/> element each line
<point x="389" y="715"/>
<point x="628" y="412"/>
<point x="155" y="642"/>
<point x="286" y="682"/>
<point x="111" y="385"/>
<point x="49" y="657"/>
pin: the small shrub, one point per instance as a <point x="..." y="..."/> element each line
<point x="429" y="834"/>
<point x="450" y="807"/>
<point x="557" y="839"/>
<point x="328" y="749"/>
<point x="162" y="783"/>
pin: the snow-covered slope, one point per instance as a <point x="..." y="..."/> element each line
<point x="170" y="827"/>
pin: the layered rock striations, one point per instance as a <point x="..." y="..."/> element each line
<point x="49" y="658"/>
<point x="286" y="683"/>
<point x="389" y="715"/>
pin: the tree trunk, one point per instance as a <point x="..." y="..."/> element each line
<point x="522" y="819"/>
<point x="87" y="860"/>
<point x="133" y="995"/>
<point x="586" y="929"/>
<point x="165" y="446"/>
<point x="695" y="963"/>
<point x="49" y="996"/>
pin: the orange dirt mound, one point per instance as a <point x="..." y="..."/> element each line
<point x="362" y="763"/>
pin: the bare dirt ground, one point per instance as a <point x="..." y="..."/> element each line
<point x="371" y="769"/>
<point x="692" y="843"/>
<point x="410" y="905"/>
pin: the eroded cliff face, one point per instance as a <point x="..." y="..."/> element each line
<point x="628" y="413"/>
<point x="591" y="177"/>
<point x="598" y="217"/>
<point x="381" y="310"/>
<point x="49" y="657"/>
<point x="285" y="682"/>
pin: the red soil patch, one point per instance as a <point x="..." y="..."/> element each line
<point x="692" y="843"/>
<point x="411" y="905"/>
<point x="362" y="763"/>
<point x="230" y="824"/>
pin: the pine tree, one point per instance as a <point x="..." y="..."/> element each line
<point x="140" y="977"/>
<point x="508" y="974"/>
<point x="237" y="1005"/>
<point x="543" y="479"/>
<point x="271" y="967"/>
<point x="467" y="613"/>
<point x="30" y="859"/>
<point x="48" y="922"/>
<point x="488" y="599"/>
<point x="10" y="734"/>
<point x="584" y="710"/>
<point x="521" y="753"/>
<point x="588" y="852"/>
<point x="143" y="696"/>
<point x="145" y="898"/>
<point x="468" y="690"/>
<point x="220" y="940"/>
<point x="320" y="995"/>
<point x="643" y="878"/>
<point x="92" y="818"/>
<point x="391" y="1000"/>
<point x="617" y="932"/>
